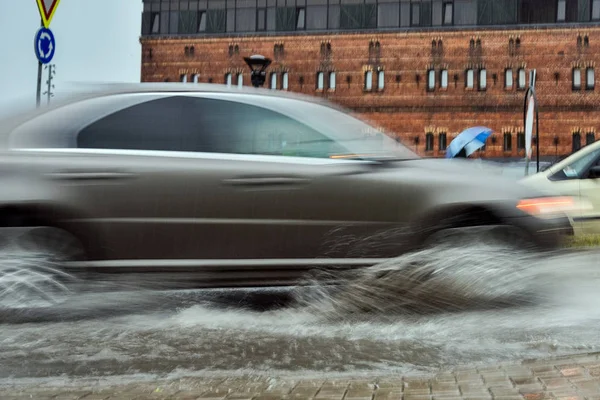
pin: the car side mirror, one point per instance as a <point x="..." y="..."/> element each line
<point x="594" y="172"/>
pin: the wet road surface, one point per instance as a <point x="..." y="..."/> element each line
<point x="324" y="335"/>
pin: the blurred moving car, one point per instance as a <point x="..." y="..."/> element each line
<point x="236" y="187"/>
<point x="578" y="176"/>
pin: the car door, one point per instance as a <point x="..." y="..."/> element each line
<point x="293" y="197"/>
<point x="196" y="180"/>
<point x="571" y="177"/>
<point x="589" y="186"/>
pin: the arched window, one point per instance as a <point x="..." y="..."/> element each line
<point x="284" y="81"/>
<point x="380" y="80"/>
<point x="369" y="80"/>
<point x="332" y="80"/>
<point x="429" y="141"/>
<point x="273" y="80"/>
<point x="320" y="80"/>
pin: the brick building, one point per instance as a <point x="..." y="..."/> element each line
<point x="422" y="70"/>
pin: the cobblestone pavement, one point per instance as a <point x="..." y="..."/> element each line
<point x="574" y="377"/>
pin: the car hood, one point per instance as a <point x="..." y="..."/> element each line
<point x="469" y="179"/>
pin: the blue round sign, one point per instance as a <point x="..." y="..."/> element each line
<point x="45" y="45"/>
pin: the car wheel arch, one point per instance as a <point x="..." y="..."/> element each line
<point x="29" y="215"/>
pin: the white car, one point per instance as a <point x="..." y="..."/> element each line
<point x="579" y="176"/>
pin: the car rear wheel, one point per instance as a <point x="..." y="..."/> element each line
<point x="32" y="261"/>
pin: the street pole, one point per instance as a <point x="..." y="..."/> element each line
<point x="39" y="78"/>
<point x="49" y="82"/>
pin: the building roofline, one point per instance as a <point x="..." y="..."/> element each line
<point x="400" y="30"/>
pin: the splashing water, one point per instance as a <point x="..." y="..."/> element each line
<point x="434" y="308"/>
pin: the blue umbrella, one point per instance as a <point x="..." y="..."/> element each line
<point x="469" y="140"/>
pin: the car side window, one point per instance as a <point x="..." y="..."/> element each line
<point x="196" y="124"/>
<point x="578" y="168"/>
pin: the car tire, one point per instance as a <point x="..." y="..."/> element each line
<point x="32" y="267"/>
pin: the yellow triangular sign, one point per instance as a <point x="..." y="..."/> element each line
<point x="47" y="9"/>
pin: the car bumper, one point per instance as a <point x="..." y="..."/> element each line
<point x="546" y="234"/>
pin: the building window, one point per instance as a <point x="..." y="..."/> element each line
<point x="285" y="81"/>
<point x="470" y="82"/>
<point x="520" y="141"/>
<point x="442" y="141"/>
<point x="522" y="78"/>
<point x="444" y="79"/>
<point x="155" y="23"/>
<point x="320" y="81"/>
<point x="201" y="21"/>
<point x="369" y="80"/>
<point x="240" y="80"/>
<point x="196" y="78"/>
<point x="332" y="81"/>
<point x="431" y="80"/>
<point x="596" y="10"/>
<point x="589" y="138"/>
<point x="448" y="13"/>
<point x="183" y="78"/>
<point x="380" y="80"/>
<point x="508" y="79"/>
<point x="576" y="79"/>
<point x="261" y="19"/>
<point x="561" y="13"/>
<point x="429" y="141"/>
<point x="273" y="80"/>
<point x="576" y="144"/>
<point x="300" y="18"/>
<point x="415" y="14"/>
<point x="590" y="79"/>
<point x="507" y="142"/>
<point x="483" y="79"/>
<point x="228" y="79"/>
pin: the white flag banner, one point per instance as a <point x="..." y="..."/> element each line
<point x="529" y="126"/>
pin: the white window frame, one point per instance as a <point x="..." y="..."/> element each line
<point x="431" y="79"/>
<point x="184" y="78"/>
<point x="273" y="81"/>
<point x="380" y="80"/>
<point x="470" y="81"/>
<point x="576" y="79"/>
<point x="196" y="78"/>
<point x="240" y="80"/>
<point x="320" y="80"/>
<point x="509" y="80"/>
<point x="444" y="79"/>
<point x="483" y="79"/>
<point x="369" y="80"/>
<point x="332" y="82"/>
<point x="285" y="81"/>
<point x="522" y="78"/>
<point x="590" y="78"/>
<point x="228" y="79"/>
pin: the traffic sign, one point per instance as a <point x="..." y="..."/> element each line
<point x="47" y="9"/>
<point x="45" y="45"/>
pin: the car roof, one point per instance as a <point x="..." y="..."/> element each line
<point x="92" y="91"/>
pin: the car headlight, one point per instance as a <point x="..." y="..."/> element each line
<point x="552" y="207"/>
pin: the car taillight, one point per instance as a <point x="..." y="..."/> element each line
<point x="550" y="207"/>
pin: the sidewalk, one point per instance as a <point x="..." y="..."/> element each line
<point x="575" y="377"/>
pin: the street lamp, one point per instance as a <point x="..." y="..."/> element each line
<point x="258" y="65"/>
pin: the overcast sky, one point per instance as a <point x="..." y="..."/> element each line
<point x="97" y="41"/>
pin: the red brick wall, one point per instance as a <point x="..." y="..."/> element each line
<point x="405" y="108"/>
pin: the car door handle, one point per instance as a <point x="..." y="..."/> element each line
<point x="266" y="181"/>
<point x="90" y="175"/>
